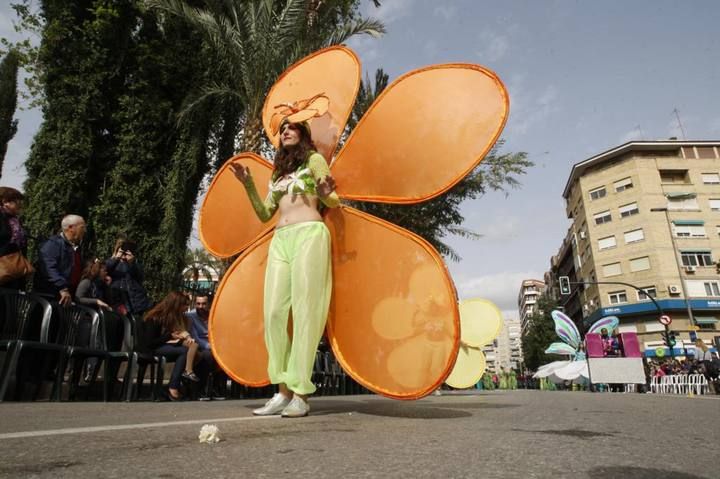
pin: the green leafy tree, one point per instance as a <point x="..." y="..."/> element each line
<point x="539" y="334"/>
<point x="8" y="101"/>
<point x="79" y="66"/>
<point x="439" y="217"/>
<point x="150" y="191"/>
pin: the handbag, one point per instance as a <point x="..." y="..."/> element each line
<point x="14" y="266"/>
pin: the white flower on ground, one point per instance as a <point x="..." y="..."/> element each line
<point x="209" y="433"/>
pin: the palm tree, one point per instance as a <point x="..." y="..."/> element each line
<point x="253" y="42"/>
<point x="199" y="262"/>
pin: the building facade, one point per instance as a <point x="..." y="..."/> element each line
<point x="505" y="352"/>
<point x="530" y="291"/>
<point x="648" y="214"/>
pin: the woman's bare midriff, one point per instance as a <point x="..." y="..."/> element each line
<point x="297" y="209"/>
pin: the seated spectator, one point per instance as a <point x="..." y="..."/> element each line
<point x="60" y="261"/>
<point x="165" y="332"/>
<point x="13" y="237"/>
<point x="127" y="277"/>
<point x="199" y="331"/>
<point x="91" y="290"/>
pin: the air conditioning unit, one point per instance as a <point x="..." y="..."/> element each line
<point x="674" y="289"/>
<point x="690" y="269"/>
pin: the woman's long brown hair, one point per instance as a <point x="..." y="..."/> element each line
<point x="290" y="159"/>
<point x="170" y="313"/>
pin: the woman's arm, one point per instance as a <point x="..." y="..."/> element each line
<point x="263" y="209"/>
<point x="320" y="171"/>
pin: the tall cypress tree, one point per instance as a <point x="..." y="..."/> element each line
<point x="8" y="102"/>
<point x="80" y="56"/>
<point x="150" y="191"/>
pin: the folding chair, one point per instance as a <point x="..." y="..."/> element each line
<point x="24" y="326"/>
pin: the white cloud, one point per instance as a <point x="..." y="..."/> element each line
<point x="503" y="230"/>
<point x="445" y="11"/>
<point x="525" y="114"/>
<point x="633" y="135"/>
<point x="500" y="288"/>
<point x="493" y="46"/>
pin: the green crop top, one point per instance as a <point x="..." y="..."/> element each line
<point x="302" y="181"/>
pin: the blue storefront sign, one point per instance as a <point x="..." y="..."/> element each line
<point x="648" y="307"/>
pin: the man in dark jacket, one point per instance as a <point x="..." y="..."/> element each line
<point x="61" y="261"/>
<point x="127" y="277"/>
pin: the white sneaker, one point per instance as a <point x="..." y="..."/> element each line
<point x="276" y="404"/>
<point x="296" y="408"/>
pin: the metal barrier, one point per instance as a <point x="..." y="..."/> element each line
<point x="679" y="384"/>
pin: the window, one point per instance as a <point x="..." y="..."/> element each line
<point x="717" y="228"/>
<point x="712" y="288"/>
<point x="617" y="297"/>
<point x="639" y="264"/>
<point x="634" y="236"/>
<point x="607" y="243"/>
<point x="648" y="291"/>
<point x="598" y="193"/>
<point x="715" y="204"/>
<point x="629" y="210"/>
<point x="684" y="202"/>
<point x="622" y="185"/>
<point x="605" y="217"/>
<point x="612" y="269"/>
<point x="689" y="231"/>
<point x="696" y="258"/>
<point x="674" y="176"/>
<point x="711" y="178"/>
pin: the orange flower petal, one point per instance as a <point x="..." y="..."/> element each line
<point x="423" y="134"/>
<point x="236" y="325"/>
<point x="334" y="72"/>
<point x="394" y="324"/>
<point x="228" y="223"/>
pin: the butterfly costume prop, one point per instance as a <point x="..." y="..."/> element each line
<point x="393" y="321"/>
<point x="577" y="368"/>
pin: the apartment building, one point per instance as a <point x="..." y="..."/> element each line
<point x="647" y="213"/>
<point x="505" y="352"/>
<point x="530" y="291"/>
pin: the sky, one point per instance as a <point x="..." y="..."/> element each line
<point x="583" y="77"/>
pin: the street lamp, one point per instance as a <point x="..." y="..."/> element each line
<point x="678" y="264"/>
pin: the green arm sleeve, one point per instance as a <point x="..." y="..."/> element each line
<point x="319" y="168"/>
<point x="264" y="209"/>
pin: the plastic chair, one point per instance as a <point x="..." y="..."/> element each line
<point x="24" y="326"/>
<point x="79" y="329"/>
<point x="138" y="364"/>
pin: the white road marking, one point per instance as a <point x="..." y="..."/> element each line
<point x="82" y="430"/>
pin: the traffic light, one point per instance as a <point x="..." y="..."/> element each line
<point x="564" y="285"/>
<point x="669" y="338"/>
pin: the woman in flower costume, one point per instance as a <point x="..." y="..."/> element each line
<point x="393" y="321"/>
<point x="298" y="274"/>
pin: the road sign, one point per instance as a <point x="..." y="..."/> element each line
<point x="665" y="319"/>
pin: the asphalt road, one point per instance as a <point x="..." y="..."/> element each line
<point x="524" y="434"/>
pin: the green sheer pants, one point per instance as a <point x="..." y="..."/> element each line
<point x="298" y="278"/>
